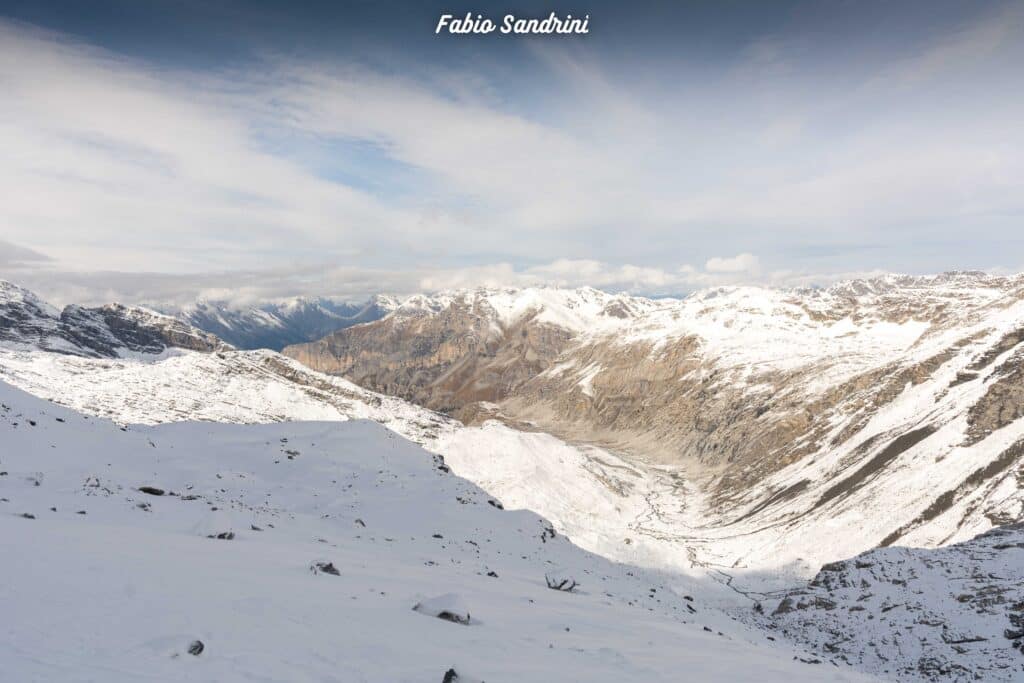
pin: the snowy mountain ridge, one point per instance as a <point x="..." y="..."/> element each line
<point x="276" y="324"/>
<point x="897" y="309"/>
<point x="885" y="410"/>
<point x="108" y="331"/>
<point x="577" y="310"/>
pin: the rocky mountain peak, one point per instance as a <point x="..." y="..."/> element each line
<point x="575" y="310"/>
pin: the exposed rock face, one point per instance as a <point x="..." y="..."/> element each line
<point x="443" y="357"/>
<point x="1003" y="402"/>
<point x="954" y="613"/>
<point x="746" y="387"/>
<point x="104" y="332"/>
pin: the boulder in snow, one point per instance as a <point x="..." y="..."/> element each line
<point x="450" y="607"/>
<point x="560" y="581"/>
<point x="324" y="568"/>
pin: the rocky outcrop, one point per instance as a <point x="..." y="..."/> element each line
<point x="948" y="614"/>
<point x="446" y="361"/>
<point x="1003" y="401"/>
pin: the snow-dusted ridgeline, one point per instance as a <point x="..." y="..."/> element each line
<point x="274" y="325"/>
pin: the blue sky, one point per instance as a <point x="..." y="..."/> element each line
<point x="261" y="149"/>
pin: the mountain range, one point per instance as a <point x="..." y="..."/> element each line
<point x="784" y="410"/>
<point x="750" y="442"/>
<point x="274" y="325"/>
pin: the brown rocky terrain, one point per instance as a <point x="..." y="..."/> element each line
<point x="734" y="384"/>
<point x="444" y="363"/>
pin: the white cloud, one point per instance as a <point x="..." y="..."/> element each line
<point x="248" y="287"/>
<point x="741" y="263"/>
<point x="115" y="164"/>
<point x="154" y="168"/>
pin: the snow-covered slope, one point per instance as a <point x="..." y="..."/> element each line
<point x="316" y="552"/>
<point x="953" y="613"/>
<point x="274" y="325"/>
<point x="589" y="493"/>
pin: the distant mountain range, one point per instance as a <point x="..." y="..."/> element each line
<point x="108" y="331"/>
<point x="274" y="325"/>
<point x="201" y="326"/>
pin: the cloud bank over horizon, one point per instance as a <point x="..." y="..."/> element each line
<point x="245" y="288"/>
<point x="798" y="147"/>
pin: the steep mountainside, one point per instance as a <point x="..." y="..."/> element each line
<point x="276" y="325"/>
<point x="450" y="351"/>
<point x="736" y="461"/>
<point x="792" y="408"/>
<point x="262" y="386"/>
<point x="315" y="551"/>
